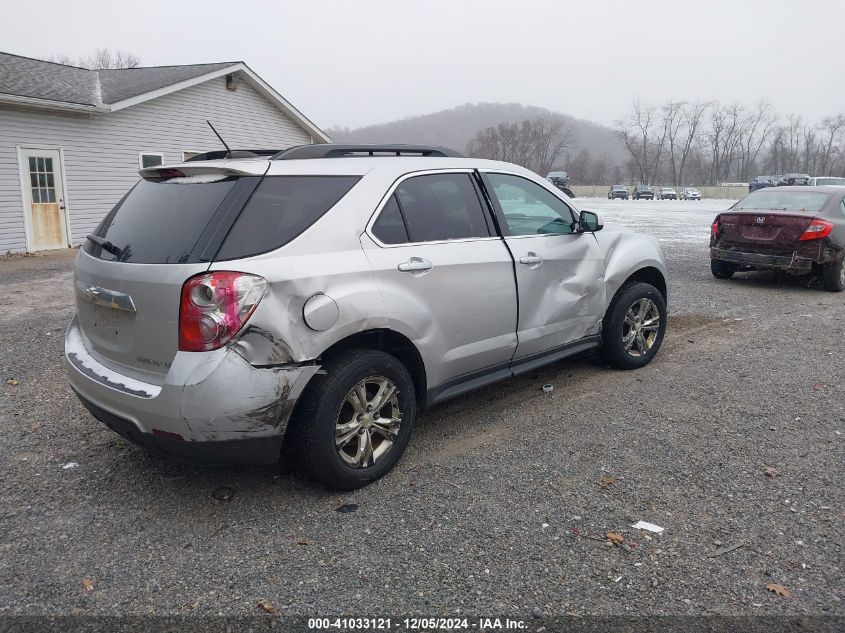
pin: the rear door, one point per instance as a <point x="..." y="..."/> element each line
<point x="559" y="273"/>
<point x="447" y="282"/>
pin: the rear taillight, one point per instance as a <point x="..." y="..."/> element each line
<point x="817" y="230"/>
<point x="714" y="229"/>
<point x="214" y="308"/>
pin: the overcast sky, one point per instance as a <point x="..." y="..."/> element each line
<point x="356" y="62"/>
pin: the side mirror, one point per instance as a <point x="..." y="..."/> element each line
<point x="589" y="222"/>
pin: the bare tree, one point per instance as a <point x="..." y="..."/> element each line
<point x="832" y="128"/>
<point x="536" y="144"/>
<point x="693" y="114"/>
<point x="102" y="59"/>
<point x="636" y="131"/>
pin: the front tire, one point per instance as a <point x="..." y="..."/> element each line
<point x="833" y="276"/>
<point x="633" y="326"/>
<point x="355" y="421"/>
<point x="722" y="270"/>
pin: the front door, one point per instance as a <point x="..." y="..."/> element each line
<point x="44" y="199"/>
<point x="559" y="272"/>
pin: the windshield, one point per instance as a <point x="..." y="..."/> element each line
<point x="773" y="200"/>
<point x="831" y="181"/>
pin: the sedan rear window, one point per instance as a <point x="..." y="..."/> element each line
<point x="774" y="200"/>
<point x="158" y="222"/>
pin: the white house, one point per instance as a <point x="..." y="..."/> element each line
<point x="72" y="140"/>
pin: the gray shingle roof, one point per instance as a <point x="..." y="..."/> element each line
<point x="26" y="77"/>
<point x="118" y="85"/>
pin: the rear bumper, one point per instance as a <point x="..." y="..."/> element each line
<point x="222" y="408"/>
<point x="757" y="260"/>
<point x="261" y="450"/>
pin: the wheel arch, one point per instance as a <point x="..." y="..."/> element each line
<point x="649" y="275"/>
<point x="390" y="342"/>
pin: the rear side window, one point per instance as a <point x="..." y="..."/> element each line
<point x="159" y="222"/>
<point x="437" y="207"/>
<point x="281" y="208"/>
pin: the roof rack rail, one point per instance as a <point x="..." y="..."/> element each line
<point x="338" y="150"/>
<point x="235" y="153"/>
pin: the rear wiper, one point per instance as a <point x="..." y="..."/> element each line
<point x="104" y="244"/>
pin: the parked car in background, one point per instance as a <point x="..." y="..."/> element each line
<point x="617" y="192"/>
<point x="791" y="180"/>
<point x="667" y="193"/>
<point x="798" y="229"/>
<point x="691" y="193"/>
<point x="560" y="179"/>
<point x="321" y="295"/>
<point x="761" y="182"/>
<point x="831" y="181"/>
<point x="643" y="192"/>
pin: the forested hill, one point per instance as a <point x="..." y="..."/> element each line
<point x="454" y="127"/>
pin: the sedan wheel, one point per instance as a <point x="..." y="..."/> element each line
<point x="833" y="276"/>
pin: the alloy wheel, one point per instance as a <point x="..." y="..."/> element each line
<point x="640" y="328"/>
<point x="368" y="422"/>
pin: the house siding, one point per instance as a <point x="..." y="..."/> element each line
<point x="101" y="150"/>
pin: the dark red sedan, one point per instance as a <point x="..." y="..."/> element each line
<point x="797" y="229"/>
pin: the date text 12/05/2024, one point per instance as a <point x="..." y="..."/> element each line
<point x="416" y="624"/>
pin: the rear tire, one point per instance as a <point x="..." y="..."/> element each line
<point x="833" y="276"/>
<point x="633" y="326"/>
<point x="722" y="270"/>
<point x="330" y="404"/>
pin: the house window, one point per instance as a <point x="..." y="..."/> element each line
<point x="189" y="154"/>
<point x="41" y="179"/>
<point x="150" y="159"/>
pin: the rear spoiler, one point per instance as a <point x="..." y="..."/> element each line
<point x="182" y="170"/>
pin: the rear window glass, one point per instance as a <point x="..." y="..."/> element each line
<point x="158" y="222"/>
<point x="281" y="208"/>
<point x="774" y="200"/>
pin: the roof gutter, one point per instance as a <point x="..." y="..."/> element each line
<point x="49" y="104"/>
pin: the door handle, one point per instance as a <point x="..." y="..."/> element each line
<point x="531" y="259"/>
<point x="415" y="265"/>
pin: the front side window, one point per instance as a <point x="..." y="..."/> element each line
<point x="530" y="209"/>
<point x="434" y="207"/>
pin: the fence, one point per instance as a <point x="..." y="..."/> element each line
<point x="600" y="191"/>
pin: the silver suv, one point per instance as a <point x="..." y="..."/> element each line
<point x="320" y="296"/>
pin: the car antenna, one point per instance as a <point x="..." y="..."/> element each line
<point x="228" y="150"/>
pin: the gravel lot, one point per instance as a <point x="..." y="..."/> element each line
<point x="503" y="501"/>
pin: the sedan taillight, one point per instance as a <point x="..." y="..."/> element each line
<point x="215" y="306"/>
<point x="817" y="230"/>
<point x="714" y="229"/>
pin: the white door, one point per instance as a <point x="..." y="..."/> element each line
<point x="44" y="198"/>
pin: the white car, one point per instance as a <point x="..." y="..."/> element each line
<point x="830" y="181"/>
<point x="691" y="193"/>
